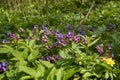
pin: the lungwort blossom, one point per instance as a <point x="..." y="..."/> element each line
<point x="100" y="49"/>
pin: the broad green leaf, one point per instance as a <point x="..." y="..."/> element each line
<point x="70" y="72"/>
<point x="30" y="71"/>
<point x="31" y="43"/>
<point x="47" y="64"/>
<point x="87" y="74"/>
<point x="51" y="74"/>
<point x="106" y="75"/>
<point x="25" y="77"/>
<point x="59" y="74"/>
<point x="34" y="55"/>
<point x="41" y="70"/>
<point x="62" y="54"/>
<point x="25" y="53"/>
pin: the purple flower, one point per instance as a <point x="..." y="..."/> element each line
<point x="83" y="41"/>
<point x="109" y="46"/>
<point x="59" y="57"/>
<point x="70" y="27"/>
<point x="54" y="57"/>
<point x="70" y="34"/>
<point x="45" y="29"/>
<point x="92" y="29"/>
<point x="51" y="32"/>
<point x="35" y="27"/>
<point x="100" y="49"/>
<point x="83" y="33"/>
<point x="30" y="38"/>
<point x="77" y="38"/>
<point x="21" y="30"/>
<point x="111" y="26"/>
<point x="3" y="66"/>
<point x="9" y="34"/>
<point x="48" y="58"/>
<point x="43" y="58"/>
<point x="62" y="42"/>
<point x="57" y="32"/>
<point x="44" y="39"/>
<point x="54" y="45"/>
<point x="5" y="41"/>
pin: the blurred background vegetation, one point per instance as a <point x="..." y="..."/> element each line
<point x="60" y="13"/>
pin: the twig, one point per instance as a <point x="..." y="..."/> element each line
<point x="93" y="3"/>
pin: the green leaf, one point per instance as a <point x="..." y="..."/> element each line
<point x="62" y="54"/>
<point x="31" y="43"/>
<point x="34" y="55"/>
<point x="41" y="70"/>
<point x="25" y="77"/>
<point x="47" y="64"/>
<point x="25" y="53"/>
<point x="29" y="71"/>
<point x="59" y="74"/>
<point x="92" y="43"/>
<point x="70" y="72"/>
<point x="106" y="75"/>
<point x="87" y="74"/>
<point x="51" y="74"/>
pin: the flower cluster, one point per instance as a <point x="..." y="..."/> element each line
<point x="51" y="58"/>
<point x="13" y="36"/>
<point x="3" y="67"/>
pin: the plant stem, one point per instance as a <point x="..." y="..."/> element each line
<point x="47" y="13"/>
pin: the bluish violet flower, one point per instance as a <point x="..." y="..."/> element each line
<point x="48" y="58"/>
<point x="92" y="29"/>
<point x="30" y="38"/>
<point x="35" y="26"/>
<point x="83" y="41"/>
<point x="9" y="34"/>
<point x="34" y="29"/>
<point x="54" y="57"/>
<point x="48" y="47"/>
<point x="51" y="32"/>
<point x="59" y="57"/>
<point x="109" y="46"/>
<point x="70" y="36"/>
<point x="43" y="58"/>
<point x="44" y="39"/>
<point x="45" y="29"/>
<point x="83" y="33"/>
<point x="5" y="41"/>
<point x="111" y="26"/>
<point x="54" y="45"/>
<point x="77" y="38"/>
<point x="57" y="32"/>
<point x="70" y="27"/>
<point x="100" y="49"/>
<point x="62" y="42"/>
<point x="3" y="66"/>
<point x="21" y="30"/>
